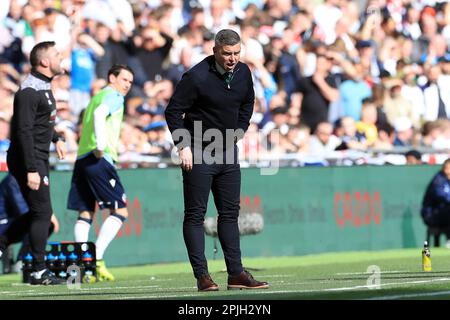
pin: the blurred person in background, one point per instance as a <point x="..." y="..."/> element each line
<point x="413" y="157"/>
<point x="323" y="142"/>
<point x="317" y="92"/>
<point x="84" y="55"/>
<point x="436" y="95"/>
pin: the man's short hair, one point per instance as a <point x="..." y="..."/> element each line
<point x="414" y="153"/>
<point x="38" y="51"/>
<point x="227" y="37"/>
<point x="115" y="70"/>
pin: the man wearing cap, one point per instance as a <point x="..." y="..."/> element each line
<point x="95" y="179"/>
<point x="157" y="143"/>
<point x="404" y="132"/>
<point x="217" y="95"/>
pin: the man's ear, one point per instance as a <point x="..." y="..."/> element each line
<point x="111" y="78"/>
<point x="45" y="62"/>
<point x="214" y="49"/>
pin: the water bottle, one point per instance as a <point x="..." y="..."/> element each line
<point x="426" y="257"/>
<point x="87" y="260"/>
<point x="27" y="268"/>
<point x="51" y="262"/>
<point x="62" y="265"/>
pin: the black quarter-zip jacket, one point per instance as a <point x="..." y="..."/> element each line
<point x="203" y="95"/>
<point x="33" y="121"/>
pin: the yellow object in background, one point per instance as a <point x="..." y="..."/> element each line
<point x="426" y="257"/>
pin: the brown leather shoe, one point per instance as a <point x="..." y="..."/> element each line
<point x="245" y="281"/>
<point x="205" y="283"/>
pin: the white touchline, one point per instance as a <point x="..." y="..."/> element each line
<point x="411" y="295"/>
<point x="364" y="273"/>
<point x="250" y="292"/>
<point x="296" y="291"/>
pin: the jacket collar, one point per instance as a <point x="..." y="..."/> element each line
<point x="40" y="76"/>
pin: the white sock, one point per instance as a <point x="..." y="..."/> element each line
<point x="107" y="233"/>
<point x="81" y="231"/>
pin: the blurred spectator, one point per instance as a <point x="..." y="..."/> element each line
<point x="352" y="92"/>
<point x="323" y="141"/>
<point x="404" y="132"/>
<point x="396" y="106"/>
<point x="326" y="16"/>
<point x="386" y="137"/>
<point x="84" y="54"/>
<point x="158" y="140"/>
<point x="175" y="71"/>
<point x="288" y="70"/>
<point x="351" y="139"/>
<point x="299" y="137"/>
<point x="366" y="126"/>
<point x="318" y="91"/>
<point x="152" y="49"/>
<point x="413" y="157"/>
<point x="411" y="91"/>
<point x="437" y="95"/>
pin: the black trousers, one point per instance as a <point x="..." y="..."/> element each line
<point x="37" y="221"/>
<point x="224" y="180"/>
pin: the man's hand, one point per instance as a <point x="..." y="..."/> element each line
<point x="34" y="180"/>
<point x="186" y="158"/>
<point x="61" y="149"/>
<point x="98" y="153"/>
<point x="318" y="78"/>
<point x="55" y="223"/>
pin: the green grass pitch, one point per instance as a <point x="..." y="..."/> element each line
<point x="322" y="276"/>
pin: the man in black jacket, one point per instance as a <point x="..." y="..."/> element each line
<point x="32" y="130"/>
<point x="215" y="96"/>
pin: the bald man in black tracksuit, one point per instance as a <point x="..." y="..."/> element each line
<point x="218" y="94"/>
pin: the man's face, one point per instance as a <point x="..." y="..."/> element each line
<point x="227" y="56"/>
<point x="52" y="59"/>
<point x="411" y="160"/>
<point x="122" y="83"/>
<point x="324" y="132"/>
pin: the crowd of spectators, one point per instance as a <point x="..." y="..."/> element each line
<point x="329" y="76"/>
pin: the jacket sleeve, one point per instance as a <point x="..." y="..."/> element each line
<point x="182" y="100"/>
<point x="246" y="108"/>
<point x="25" y="108"/>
